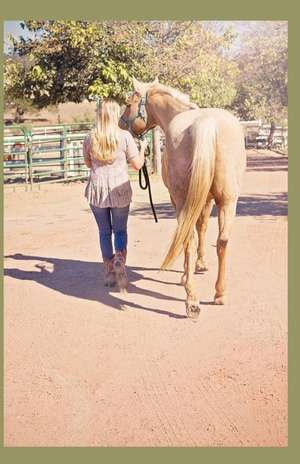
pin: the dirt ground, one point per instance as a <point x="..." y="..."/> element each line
<point x="85" y="366"/>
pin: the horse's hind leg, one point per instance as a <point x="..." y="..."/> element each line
<point x="201" y="227"/>
<point x="192" y="304"/>
<point x="185" y="267"/>
<point x="226" y="213"/>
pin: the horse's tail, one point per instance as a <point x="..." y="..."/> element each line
<point x="201" y="176"/>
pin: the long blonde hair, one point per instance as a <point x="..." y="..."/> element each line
<point x="105" y="136"/>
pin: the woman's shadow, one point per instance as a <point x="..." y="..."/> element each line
<point x="83" y="280"/>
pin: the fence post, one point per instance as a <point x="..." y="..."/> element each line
<point x="28" y="138"/>
<point x="72" y="166"/>
<point x="64" y="153"/>
<point x="156" y="150"/>
<point x="25" y="156"/>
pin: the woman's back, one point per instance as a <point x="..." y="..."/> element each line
<point x="108" y="184"/>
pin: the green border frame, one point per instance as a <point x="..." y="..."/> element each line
<point x="188" y="9"/>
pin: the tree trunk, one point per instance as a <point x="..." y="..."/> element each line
<point x="156" y="150"/>
<point x="271" y="135"/>
<point x="19" y="112"/>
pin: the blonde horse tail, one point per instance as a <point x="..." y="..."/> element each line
<point x="201" y="176"/>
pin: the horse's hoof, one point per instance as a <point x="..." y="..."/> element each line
<point x="192" y="309"/>
<point x="220" y="300"/>
<point x="201" y="268"/>
<point x="201" y="265"/>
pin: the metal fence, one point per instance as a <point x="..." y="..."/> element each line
<point x="256" y="135"/>
<point x="45" y="153"/>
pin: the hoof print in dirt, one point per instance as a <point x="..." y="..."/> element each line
<point x="192" y="310"/>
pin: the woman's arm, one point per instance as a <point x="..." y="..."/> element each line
<point x="138" y="161"/>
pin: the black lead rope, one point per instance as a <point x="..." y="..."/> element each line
<point x="146" y="185"/>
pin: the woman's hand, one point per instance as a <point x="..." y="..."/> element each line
<point x="138" y="161"/>
<point x="143" y="144"/>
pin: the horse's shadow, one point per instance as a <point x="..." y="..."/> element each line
<point x="67" y="276"/>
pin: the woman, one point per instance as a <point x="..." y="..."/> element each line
<point x="107" y="149"/>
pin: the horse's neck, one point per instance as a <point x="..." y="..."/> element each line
<point x="164" y="108"/>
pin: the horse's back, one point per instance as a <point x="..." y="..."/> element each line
<point x="226" y="123"/>
<point x="229" y="132"/>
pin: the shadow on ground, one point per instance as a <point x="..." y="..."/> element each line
<point x="273" y="204"/>
<point x="164" y="210"/>
<point x="267" y="162"/>
<point x="83" y="280"/>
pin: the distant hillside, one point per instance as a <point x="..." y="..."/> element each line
<point x="63" y="113"/>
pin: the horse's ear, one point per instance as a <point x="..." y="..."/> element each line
<point x="155" y="80"/>
<point x="136" y="85"/>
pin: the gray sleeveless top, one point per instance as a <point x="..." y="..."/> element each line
<point x="108" y="184"/>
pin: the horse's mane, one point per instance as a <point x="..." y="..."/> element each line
<point x="179" y="96"/>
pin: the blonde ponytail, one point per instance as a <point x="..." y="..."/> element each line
<point x="105" y="137"/>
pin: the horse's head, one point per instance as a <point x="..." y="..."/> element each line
<point x="136" y="117"/>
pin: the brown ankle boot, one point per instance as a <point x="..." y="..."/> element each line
<point x="120" y="270"/>
<point x="109" y="273"/>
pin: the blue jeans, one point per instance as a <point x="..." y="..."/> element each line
<point x="111" y="220"/>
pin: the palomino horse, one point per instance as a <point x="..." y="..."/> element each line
<point x="204" y="161"/>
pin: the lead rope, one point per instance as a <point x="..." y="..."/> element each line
<point x="146" y="185"/>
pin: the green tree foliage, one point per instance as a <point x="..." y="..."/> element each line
<point x="262" y="84"/>
<point x="72" y="60"/>
<point x="15" y="91"/>
<point x="194" y="59"/>
<point x="65" y="61"/>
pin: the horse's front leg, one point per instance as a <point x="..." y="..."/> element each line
<point x="192" y="304"/>
<point x="164" y="169"/>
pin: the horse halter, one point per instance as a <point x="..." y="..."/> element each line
<point x="140" y="114"/>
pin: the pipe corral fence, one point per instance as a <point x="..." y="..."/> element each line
<point x="53" y="153"/>
<point x="44" y="154"/>
<point x="256" y="135"/>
